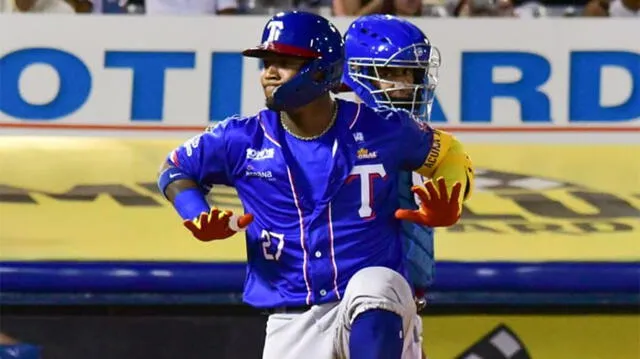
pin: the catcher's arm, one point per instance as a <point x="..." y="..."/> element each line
<point x="448" y="159"/>
<point x="450" y="166"/>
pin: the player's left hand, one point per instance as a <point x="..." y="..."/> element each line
<point x="217" y="224"/>
<point x="438" y="209"/>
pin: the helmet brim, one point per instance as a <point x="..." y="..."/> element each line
<point x="272" y="48"/>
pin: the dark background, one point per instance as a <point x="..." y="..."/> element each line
<point x="189" y="331"/>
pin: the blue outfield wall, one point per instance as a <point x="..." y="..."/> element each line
<point x="541" y="283"/>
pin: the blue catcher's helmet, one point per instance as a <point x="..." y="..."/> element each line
<point x="377" y="41"/>
<point x="305" y="35"/>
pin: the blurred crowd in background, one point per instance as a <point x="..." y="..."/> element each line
<point x="409" y="8"/>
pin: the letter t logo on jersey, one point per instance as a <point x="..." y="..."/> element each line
<point x="275" y="27"/>
<point x="367" y="173"/>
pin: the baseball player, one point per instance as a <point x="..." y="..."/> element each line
<point x="389" y="62"/>
<point x="317" y="178"/>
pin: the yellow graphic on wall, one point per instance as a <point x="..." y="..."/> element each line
<point x="96" y="198"/>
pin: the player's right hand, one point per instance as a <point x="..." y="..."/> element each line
<point x="217" y="224"/>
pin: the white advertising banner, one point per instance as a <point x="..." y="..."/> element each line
<point x="118" y="71"/>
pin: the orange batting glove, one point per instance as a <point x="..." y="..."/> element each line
<point x="437" y="208"/>
<point x="217" y="225"/>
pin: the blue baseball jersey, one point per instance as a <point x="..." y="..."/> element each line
<point x="315" y="224"/>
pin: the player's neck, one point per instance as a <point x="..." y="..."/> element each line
<point x="312" y="119"/>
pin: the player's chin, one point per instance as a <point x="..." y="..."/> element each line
<point x="268" y="102"/>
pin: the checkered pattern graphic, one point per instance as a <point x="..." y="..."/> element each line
<point x="500" y="343"/>
<point x="490" y="180"/>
